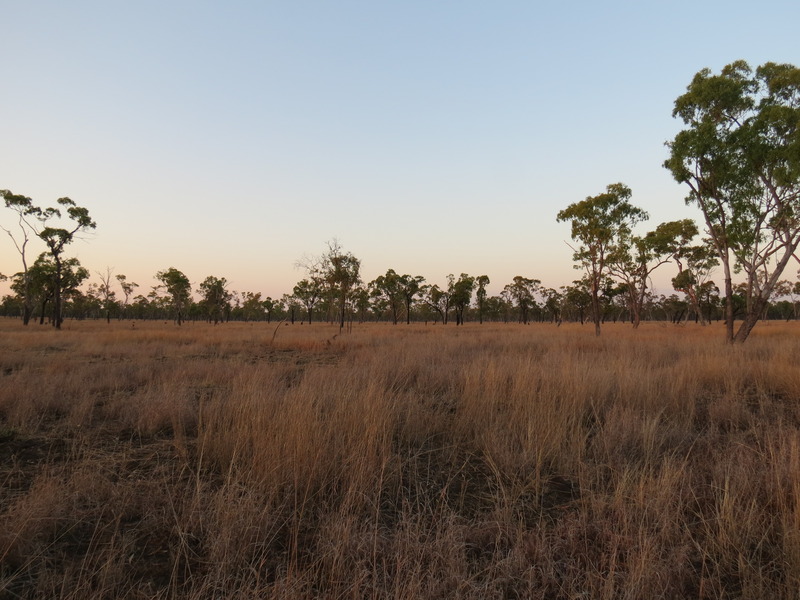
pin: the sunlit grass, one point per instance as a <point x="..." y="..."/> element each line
<point x="149" y="461"/>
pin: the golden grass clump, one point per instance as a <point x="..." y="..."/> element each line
<point x="494" y="461"/>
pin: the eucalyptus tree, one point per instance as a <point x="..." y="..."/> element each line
<point x="215" y="297"/>
<point x="411" y="288"/>
<point x="461" y="295"/>
<point x="740" y="157"/>
<point x="308" y="291"/>
<point x="361" y="302"/>
<point x="387" y="290"/>
<point x="292" y="305"/>
<point x="106" y="295"/>
<point x="438" y="300"/>
<point x="497" y="308"/>
<point x="598" y="224"/>
<point x="553" y="303"/>
<point x="335" y="275"/>
<point x="270" y="306"/>
<point x="578" y="297"/>
<point x="481" y="281"/>
<point x="634" y="258"/>
<point x="252" y="306"/>
<point x="128" y="288"/>
<point x="695" y="264"/>
<point x="56" y="238"/>
<point x="25" y="210"/>
<point x="789" y="290"/>
<point x="41" y="281"/>
<point x="522" y="292"/>
<point x="179" y="291"/>
<point x="341" y="271"/>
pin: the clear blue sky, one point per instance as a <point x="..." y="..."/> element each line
<point x="231" y="139"/>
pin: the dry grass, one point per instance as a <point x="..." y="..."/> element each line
<point x="494" y="461"/>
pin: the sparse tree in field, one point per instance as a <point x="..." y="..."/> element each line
<point x="56" y="238"/>
<point x="361" y="302"/>
<point x="127" y="289"/>
<point x="553" y="301"/>
<point x="309" y="292"/>
<point x="740" y="157"/>
<point x="438" y="300"/>
<point x="106" y="295"/>
<point x="633" y="259"/>
<point x="411" y="289"/>
<point x="496" y="308"/>
<point x="674" y="308"/>
<point x="388" y="290"/>
<point x="270" y="306"/>
<point x="215" y="297"/>
<point x="598" y="223"/>
<point x="695" y="264"/>
<point x="522" y="292"/>
<point x="179" y="291"/>
<point x="293" y="306"/>
<point x="578" y="297"/>
<point x="341" y="272"/>
<point x="785" y="289"/>
<point x="26" y="211"/>
<point x="41" y="280"/>
<point x="252" y="306"/>
<point x="461" y="295"/>
<point x="791" y="290"/>
<point x="334" y="274"/>
<point x="481" y="281"/>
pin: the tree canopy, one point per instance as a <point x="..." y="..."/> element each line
<point x="739" y="155"/>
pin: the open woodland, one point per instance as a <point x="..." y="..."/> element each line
<point x="254" y="460"/>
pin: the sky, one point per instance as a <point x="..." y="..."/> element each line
<point x="431" y="137"/>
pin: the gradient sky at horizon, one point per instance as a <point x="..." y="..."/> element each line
<point x="427" y="137"/>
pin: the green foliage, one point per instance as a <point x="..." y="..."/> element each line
<point x="215" y="298"/>
<point x="598" y="224"/>
<point x="179" y="291"/>
<point x="633" y="258"/>
<point x="461" y="294"/>
<point x="41" y="280"/>
<point x="522" y="291"/>
<point x="309" y="292"/>
<point x="387" y="290"/>
<point x="740" y="157"/>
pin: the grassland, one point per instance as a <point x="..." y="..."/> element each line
<point x="494" y="461"/>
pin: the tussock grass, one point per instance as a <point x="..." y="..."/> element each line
<point x="494" y="461"/>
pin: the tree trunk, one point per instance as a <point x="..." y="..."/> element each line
<point x="750" y="320"/>
<point x="57" y="294"/>
<point x="728" y="302"/>
<point x="596" y="311"/>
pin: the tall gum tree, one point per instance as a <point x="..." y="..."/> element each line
<point x="57" y="238"/>
<point x="26" y="211"/>
<point x="634" y="258"/>
<point x="695" y="264"/>
<point x="740" y="157"/>
<point x="179" y="290"/>
<point x="341" y="272"/>
<point x="461" y="295"/>
<point x="481" y="281"/>
<point x="335" y="275"/>
<point x="598" y="223"/>
<point x="387" y="289"/>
